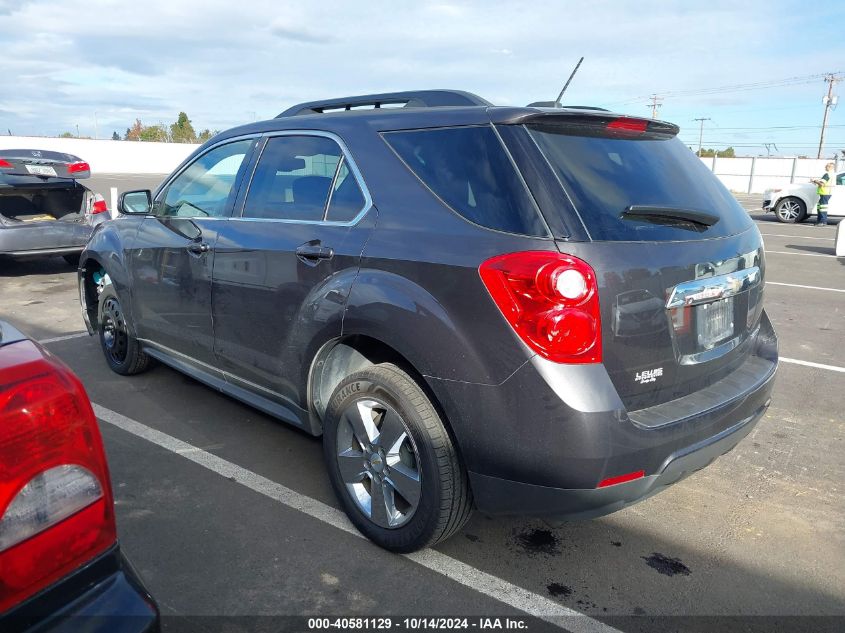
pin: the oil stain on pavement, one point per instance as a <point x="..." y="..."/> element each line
<point x="665" y="565"/>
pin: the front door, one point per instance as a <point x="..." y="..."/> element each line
<point x="173" y="253"/>
<point x="284" y="265"/>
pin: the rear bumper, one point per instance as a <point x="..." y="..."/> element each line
<point x="541" y="442"/>
<point x="502" y="496"/>
<point x="105" y="596"/>
<point x="44" y="238"/>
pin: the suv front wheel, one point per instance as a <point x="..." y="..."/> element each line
<point x="391" y="461"/>
<point x="121" y="349"/>
<point x="791" y="210"/>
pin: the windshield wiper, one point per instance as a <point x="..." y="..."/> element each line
<point x="644" y="212"/>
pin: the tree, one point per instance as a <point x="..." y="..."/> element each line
<point x="182" y="131"/>
<point x="134" y="133"/>
<point x="67" y="135"/>
<point x="722" y="153"/>
<point x="115" y="136"/>
<point x="205" y="135"/>
<point x="154" y="133"/>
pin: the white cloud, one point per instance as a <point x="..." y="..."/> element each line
<point x="222" y="61"/>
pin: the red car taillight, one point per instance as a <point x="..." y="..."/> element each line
<point x="99" y="205"/>
<point x="78" y="168"/>
<point x="550" y="300"/>
<point x="4" y="164"/>
<point x="56" y="508"/>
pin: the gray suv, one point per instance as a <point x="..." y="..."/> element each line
<point x="545" y="311"/>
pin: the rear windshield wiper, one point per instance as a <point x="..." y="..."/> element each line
<point x="644" y="212"/>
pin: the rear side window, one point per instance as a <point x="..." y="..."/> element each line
<point x="467" y="168"/>
<point x="346" y="200"/>
<point x="606" y="176"/>
<point x="297" y="176"/>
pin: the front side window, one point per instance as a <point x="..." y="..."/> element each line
<point x="297" y="177"/>
<point x="204" y="188"/>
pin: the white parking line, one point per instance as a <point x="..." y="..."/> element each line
<point x="807" y="363"/>
<point x="778" y="283"/>
<point x="512" y="595"/>
<point x="800" y="237"/>
<point x="801" y="254"/>
<point x="66" y="337"/>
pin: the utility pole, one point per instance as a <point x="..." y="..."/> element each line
<point x="656" y="102"/>
<point x="829" y="101"/>
<point x="701" y="133"/>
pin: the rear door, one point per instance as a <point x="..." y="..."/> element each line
<point x="679" y="262"/>
<point x="173" y="253"/>
<point x="284" y="265"/>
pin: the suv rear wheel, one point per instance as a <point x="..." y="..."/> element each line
<point x="391" y="461"/>
<point x="791" y="210"/>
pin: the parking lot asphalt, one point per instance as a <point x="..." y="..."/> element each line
<point x="226" y="511"/>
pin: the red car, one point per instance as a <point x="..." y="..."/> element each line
<point x="60" y="561"/>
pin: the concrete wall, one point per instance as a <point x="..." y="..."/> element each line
<point x="114" y="157"/>
<point x="755" y="175"/>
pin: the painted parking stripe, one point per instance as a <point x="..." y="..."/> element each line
<point x="66" y="337"/>
<point x="807" y="363"/>
<point x="801" y="254"/>
<point x="778" y="283"/>
<point x="799" y="237"/>
<point x="512" y="595"/>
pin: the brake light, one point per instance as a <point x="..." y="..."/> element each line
<point x="75" y="168"/>
<point x="4" y="164"/>
<point x="99" y="205"/>
<point x="621" y="479"/>
<point x="56" y="508"/>
<point x="550" y="300"/>
<point x="635" y="126"/>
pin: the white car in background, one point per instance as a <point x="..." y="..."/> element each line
<point x="796" y="202"/>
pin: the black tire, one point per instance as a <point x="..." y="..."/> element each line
<point x="791" y="210"/>
<point x="122" y="351"/>
<point x="445" y="500"/>
<point x="73" y="260"/>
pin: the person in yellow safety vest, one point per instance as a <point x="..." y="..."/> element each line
<point x="825" y="190"/>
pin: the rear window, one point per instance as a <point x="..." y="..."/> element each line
<point x="606" y="176"/>
<point x="467" y="168"/>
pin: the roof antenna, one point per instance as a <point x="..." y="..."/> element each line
<point x="566" y="85"/>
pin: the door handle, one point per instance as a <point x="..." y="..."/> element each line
<point x="312" y="253"/>
<point x="198" y="248"/>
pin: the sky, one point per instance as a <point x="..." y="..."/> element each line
<point x="754" y="68"/>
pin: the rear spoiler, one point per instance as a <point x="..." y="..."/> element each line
<point x="585" y="122"/>
<point x="36" y="162"/>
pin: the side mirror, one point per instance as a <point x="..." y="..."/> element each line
<point x="135" y="202"/>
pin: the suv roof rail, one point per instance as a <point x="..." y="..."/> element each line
<point x="408" y="99"/>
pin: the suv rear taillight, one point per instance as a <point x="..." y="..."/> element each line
<point x="550" y="300"/>
<point x="56" y="508"/>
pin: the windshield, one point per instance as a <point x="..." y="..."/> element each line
<point x="605" y="177"/>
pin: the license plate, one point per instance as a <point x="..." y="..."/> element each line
<point x="40" y="170"/>
<point x="714" y="322"/>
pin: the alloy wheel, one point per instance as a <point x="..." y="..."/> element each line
<point x="379" y="463"/>
<point x="789" y="210"/>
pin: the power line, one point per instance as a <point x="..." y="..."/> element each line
<point x="760" y="85"/>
